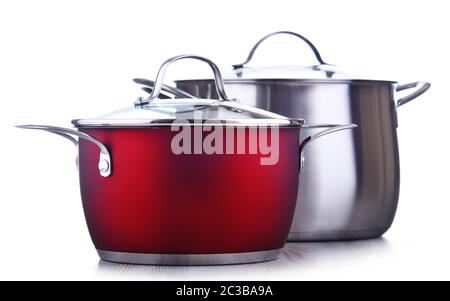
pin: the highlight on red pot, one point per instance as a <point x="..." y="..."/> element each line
<point x="154" y="174"/>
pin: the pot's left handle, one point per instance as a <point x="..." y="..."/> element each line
<point x="330" y="129"/>
<point x="104" y="161"/>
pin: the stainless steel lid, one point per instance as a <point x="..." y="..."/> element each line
<point x="152" y="111"/>
<point x="319" y="72"/>
<point x="316" y="72"/>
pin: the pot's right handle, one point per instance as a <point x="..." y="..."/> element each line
<point x="422" y="87"/>
<point x="331" y="129"/>
<point x="104" y="162"/>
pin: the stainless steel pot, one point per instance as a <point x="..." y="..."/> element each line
<point x="350" y="186"/>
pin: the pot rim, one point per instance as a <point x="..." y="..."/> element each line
<point x="151" y="123"/>
<point x="293" y="81"/>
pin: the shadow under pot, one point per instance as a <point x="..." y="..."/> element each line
<point x="188" y="181"/>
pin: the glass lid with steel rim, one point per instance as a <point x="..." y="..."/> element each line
<point x="153" y="111"/>
<point x="319" y="72"/>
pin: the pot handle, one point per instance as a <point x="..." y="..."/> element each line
<point x="309" y="139"/>
<point x="104" y="161"/>
<point x="422" y="87"/>
<point x="252" y="52"/>
<point x="162" y="70"/>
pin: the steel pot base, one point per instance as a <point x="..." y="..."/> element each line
<point x="335" y="236"/>
<point x="189" y="259"/>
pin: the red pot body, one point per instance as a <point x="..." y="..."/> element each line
<point x="158" y="202"/>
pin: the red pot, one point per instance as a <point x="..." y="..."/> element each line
<point x="145" y="202"/>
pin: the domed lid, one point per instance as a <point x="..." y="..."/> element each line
<point x="316" y="72"/>
<point x="319" y="72"/>
<point x="153" y="111"/>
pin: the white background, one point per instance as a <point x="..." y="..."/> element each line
<point x="61" y="60"/>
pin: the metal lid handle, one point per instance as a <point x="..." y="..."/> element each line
<point x="252" y="52"/>
<point x="162" y="70"/>
<point x="149" y="84"/>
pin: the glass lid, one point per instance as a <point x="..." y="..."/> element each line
<point x="154" y="111"/>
